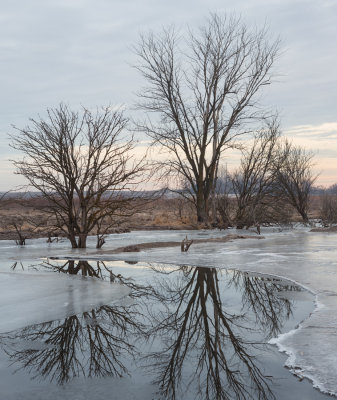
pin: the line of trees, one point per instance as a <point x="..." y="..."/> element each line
<point x="201" y="97"/>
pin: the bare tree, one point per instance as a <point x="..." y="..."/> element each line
<point x="81" y="165"/>
<point x="254" y="181"/>
<point x="295" y="177"/>
<point x="205" y="93"/>
<point x="17" y="224"/>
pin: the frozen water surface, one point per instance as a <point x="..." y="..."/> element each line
<point x="27" y="299"/>
<point x="307" y="258"/>
<point x="184" y="332"/>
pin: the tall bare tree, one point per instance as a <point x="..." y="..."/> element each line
<point x="81" y="164"/>
<point x="204" y="91"/>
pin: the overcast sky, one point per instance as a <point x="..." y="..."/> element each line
<point x="80" y="52"/>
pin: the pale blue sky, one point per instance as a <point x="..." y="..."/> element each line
<point x="80" y="52"/>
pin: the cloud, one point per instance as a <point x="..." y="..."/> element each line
<point x="321" y="139"/>
<point x="327" y="130"/>
<point x="79" y="52"/>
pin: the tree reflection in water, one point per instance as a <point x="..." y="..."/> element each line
<point x="203" y="344"/>
<point x="100" y="270"/>
<point x="94" y="343"/>
<point x="196" y="328"/>
<point x="263" y="296"/>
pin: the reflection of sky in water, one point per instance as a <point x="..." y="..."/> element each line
<point x="181" y="332"/>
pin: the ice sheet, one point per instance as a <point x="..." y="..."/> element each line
<point x="27" y="299"/>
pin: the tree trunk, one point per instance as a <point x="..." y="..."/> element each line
<point x="72" y="238"/>
<point x="202" y="209"/>
<point x="240" y="218"/>
<point x="100" y="241"/>
<point x="304" y="216"/>
<point x="82" y="241"/>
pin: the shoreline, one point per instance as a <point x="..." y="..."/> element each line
<point x="12" y="235"/>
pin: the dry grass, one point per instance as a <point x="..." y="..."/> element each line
<point x="163" y="213"/>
